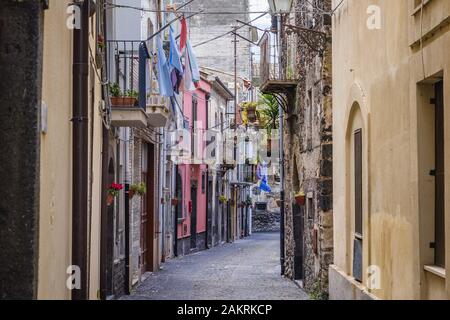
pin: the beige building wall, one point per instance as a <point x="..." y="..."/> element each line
<point x="55" y="234"/>
<point x="382" y="85"/>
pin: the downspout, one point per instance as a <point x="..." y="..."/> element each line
<point x="80" y="150"/>
<point x="105" y="173"/>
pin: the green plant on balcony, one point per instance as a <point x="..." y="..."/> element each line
<point x="223" y="199"/>
<point x="139" y="189"/>
<point x="249" y="109"/>
<point x="114" y="90"/>
<point x="118" y="98"/>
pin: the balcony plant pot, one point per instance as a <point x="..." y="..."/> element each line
<point x="251" y="114"/>
<point x="109" y="199"/>
<point x="124" y="101"/>
<point x="131" y="194"/>
<point x="300" y="198"/>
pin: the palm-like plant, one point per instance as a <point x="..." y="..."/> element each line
<point x="270" y="112"/>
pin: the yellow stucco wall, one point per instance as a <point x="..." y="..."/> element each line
<point x="376" y="75"/>
<point x="55" y="232"/>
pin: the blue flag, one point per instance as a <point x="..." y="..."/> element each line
<point x="165" y="84"/>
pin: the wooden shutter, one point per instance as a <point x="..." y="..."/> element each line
<point x="440" y="178"/>
<point x="358" y="183"/>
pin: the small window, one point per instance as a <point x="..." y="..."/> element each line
<point x="310" y="208"/>
<point x="203" y="182"/>
<point x="358" y="183"/>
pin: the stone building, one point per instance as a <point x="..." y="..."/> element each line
<point x="305" y="85"/>
<point x="390" y="129"/>
<point x="219" y="54"/>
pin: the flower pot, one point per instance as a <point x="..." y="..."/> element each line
<point x="300" y="199"/>
<point x="110" y="200"/>
<point x="131" y="194"/>
<point x="174" y="202"/>
<point x="123" y="102"/>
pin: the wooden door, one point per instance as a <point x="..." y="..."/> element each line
<point x="298" y="241"/>
<point x="358" y="237"/>
<point x="194" y="216"/>
<point x="144" y="211"/>
<point x="439" y="245"/>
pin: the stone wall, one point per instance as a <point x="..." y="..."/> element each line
<point x="219" y="54"/>
<point x="266" y="221"/>
<point x="308" y="164"/>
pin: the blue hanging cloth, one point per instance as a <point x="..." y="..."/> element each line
<point x="165" y="84"/>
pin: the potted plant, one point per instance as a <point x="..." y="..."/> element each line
<point x="131" y="98"/>
<point x="250" y="110"/>
<point x="139" y="189"/>
<point x="113" y="192"/>
<point x="116" y="94"/>
<point x="118" y="98"/>
<point x="223" y="199"/>
<point x="300" y="198"/>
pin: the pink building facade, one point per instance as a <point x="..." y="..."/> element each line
<point x="193" y="176"/>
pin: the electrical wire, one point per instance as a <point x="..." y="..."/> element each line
<point x="230" y="32"/>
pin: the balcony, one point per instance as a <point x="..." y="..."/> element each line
<point x="130" y="79"/>
<point x="272" y="80"/>
<point x="158" y="111"/>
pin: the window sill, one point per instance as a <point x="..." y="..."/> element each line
<point x="438" y="271"/>
<point x="419" y="7"/>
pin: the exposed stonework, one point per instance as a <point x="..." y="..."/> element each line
<point x="308" y="160"/>
<point x="266" y="221"/>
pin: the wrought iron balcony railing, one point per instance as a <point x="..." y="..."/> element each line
<point x="271" y="77"/>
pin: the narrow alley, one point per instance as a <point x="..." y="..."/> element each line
<point x="248" y="269"/>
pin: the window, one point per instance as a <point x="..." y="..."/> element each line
<point x="203" y="182"/>
<point x="358" y="183"/>
<point x="193" y="124"/>
<point x="179" y="191"/>
<point x="358" y="239"/>
<point x="439" y="219"/>
<point x="310" y="122"/>
<point x="310" y="208"/>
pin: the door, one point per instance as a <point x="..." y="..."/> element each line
<point x="212" y="217"/>
<point x="439" y="245"/>
<point x="144" y="211"/>
<point x="298" y="241"/>
<point x="194" y="215"/>
<point x="358" y="237"/>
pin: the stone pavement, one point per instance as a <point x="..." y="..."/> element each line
<point x="248" y="269"/>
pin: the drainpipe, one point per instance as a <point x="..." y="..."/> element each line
<point x="105" y="176"/>
<point x="80" y="150"/>
<point x="281" y="146"/>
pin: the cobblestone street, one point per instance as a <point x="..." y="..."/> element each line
<point x="245" y="270"/>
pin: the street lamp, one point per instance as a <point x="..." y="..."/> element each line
<point x="280" y="6"/>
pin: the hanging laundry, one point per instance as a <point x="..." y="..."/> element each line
<point x="175" y="66"/>
<point x="165" y="84"/>
<point x="193" y="63"/>
<point x="183" y="35"/>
